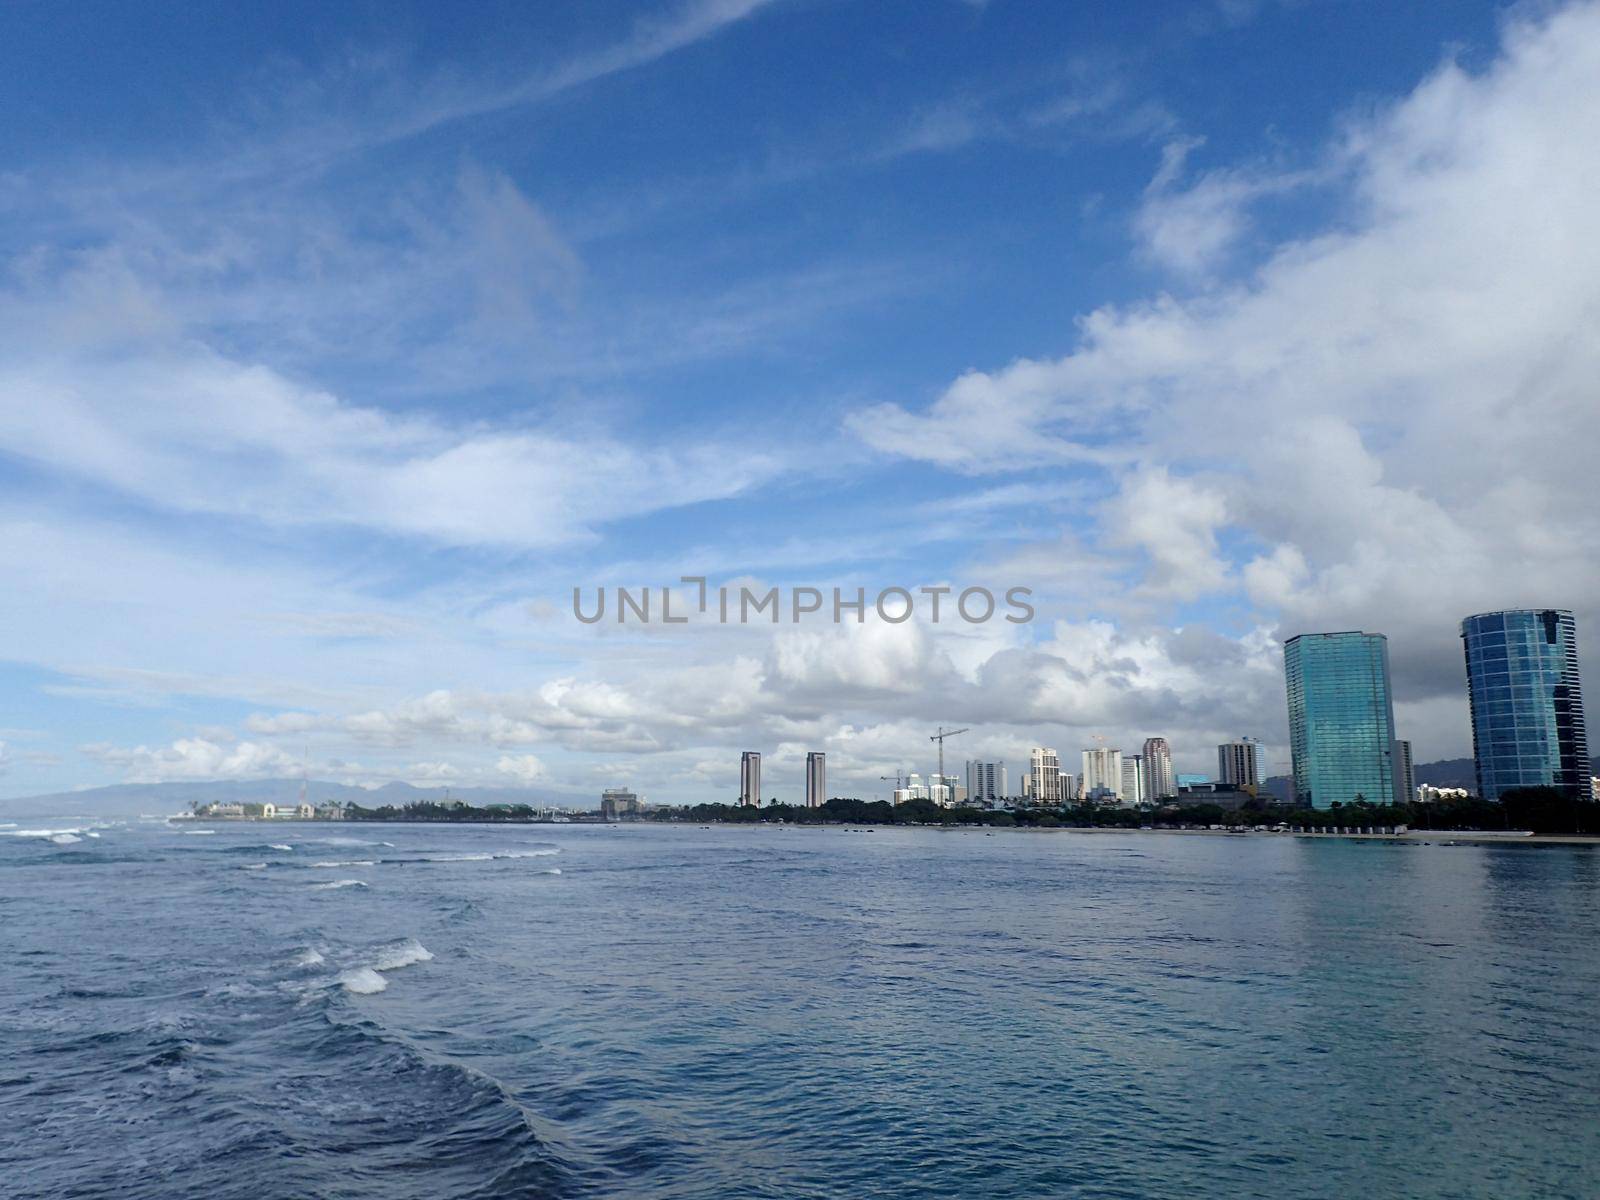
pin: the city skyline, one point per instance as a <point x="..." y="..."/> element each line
<point x="342" y="352"/>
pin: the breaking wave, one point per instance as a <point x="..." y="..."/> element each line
<point x="337" y="883"/>
<point x="368" y="979"/>
<point x="363" y="981"/>
<point x="402" y="954"/>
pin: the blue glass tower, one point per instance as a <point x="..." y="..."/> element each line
<point x="1527" y="704"/>
<point x="1341" y="718"/>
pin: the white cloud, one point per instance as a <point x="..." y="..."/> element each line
<point x="193" y="432"/>
<point x="195" y="758"/>
<point x="1175" y="522"/>
<point x="523" y="768"/>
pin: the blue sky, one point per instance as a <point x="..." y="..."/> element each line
<point x="340" y="342"/>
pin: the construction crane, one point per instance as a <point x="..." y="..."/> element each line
<point x="940" y="737"/>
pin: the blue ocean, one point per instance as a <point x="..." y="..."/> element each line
<point x="327" y="1010"/>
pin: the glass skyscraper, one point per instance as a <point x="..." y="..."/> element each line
<point x="1341" y="718"/>
<point x="1527" y="705"/>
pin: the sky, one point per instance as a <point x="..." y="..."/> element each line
<point x="340" y="343"/>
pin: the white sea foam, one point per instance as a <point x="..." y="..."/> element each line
<point x="279" y="846"/>
<point x="8" y="824"/>
<point x="337" y="883"/>
<point x="41" y="833"/>
<point x="198" y="832"/>
<point x="309" y="957"/>
<point x="349" y="862"/>
<point x="254" y="867"/>
<point x="65" y="839"/>
<point x="484" y="856"/>
<point x="348" y="841"/>
<point x="551" y="871"/>
<point x="91" y="833"/>
<point x="363" y="981"/>
<point x="402" y="954"/>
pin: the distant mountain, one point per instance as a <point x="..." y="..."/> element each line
<point x="164" y="799"/>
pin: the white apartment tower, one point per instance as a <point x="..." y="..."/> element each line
<point x="986" y="781"/>
<point x="1102" y="768"/>
<point x="1159" y="781"/>
<point x="1135" y="788"/>
<point x="750" y="778"/>
<point x="816" y="779"/>
<point x="1044" y="775"/>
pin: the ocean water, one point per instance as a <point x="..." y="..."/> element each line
<point x="326" y="1010"/>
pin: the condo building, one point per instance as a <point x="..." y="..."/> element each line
<point x="986" y="781"/>
<point x="1134" y="788"/>
<point x="1407" y="769"/>
<point x="816" y="779"/>
<point x="1102" y="772"/>
<point x="750" y="778"/>
<point x="1044" y="775"/>
<point x="1341" y="718"/>
<point x="1241" y="763"/>
<point x="1159" y="779"/>
<point x="1526" y="701"/>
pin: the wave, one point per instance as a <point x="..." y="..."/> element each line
<point x="254" y="867"/>
<point x="481" y="856"/>
<point x="309" y="957"/>
<point x="348" y="841"/>
<point x="279" y="846"/>
<point x="363" y="981"/>
<point x="349" y="862"/>
<point x="551" y="871"/>
<point x="337" y="883"/>
<point x="42" y="833"/>
<point x="66" y="839"/>
<point x="402" y="954"/>
<point x="197" y="832"/>
<point x="369" y="980"/>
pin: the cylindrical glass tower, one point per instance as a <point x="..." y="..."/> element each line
<point x="1527" y="704"/>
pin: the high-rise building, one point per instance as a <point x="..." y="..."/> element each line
<point x="1527" y="702"/>
<point x="1406" y="769"/>
<point x="616" y="803"/>
<point x="1159" y="779"/>
<point x="986" y="781"/>
<point x="1341" y="718"/>
<point x="816" y="779"/>
<point x="1241" y="763"/>
<point x="1134" y="789"/>
<point x="1044" y="775"/>
<point x="1102" y="769"/>
<point x="750" y="778"/>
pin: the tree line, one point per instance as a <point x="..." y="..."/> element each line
<point x="1541" y="809"/>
